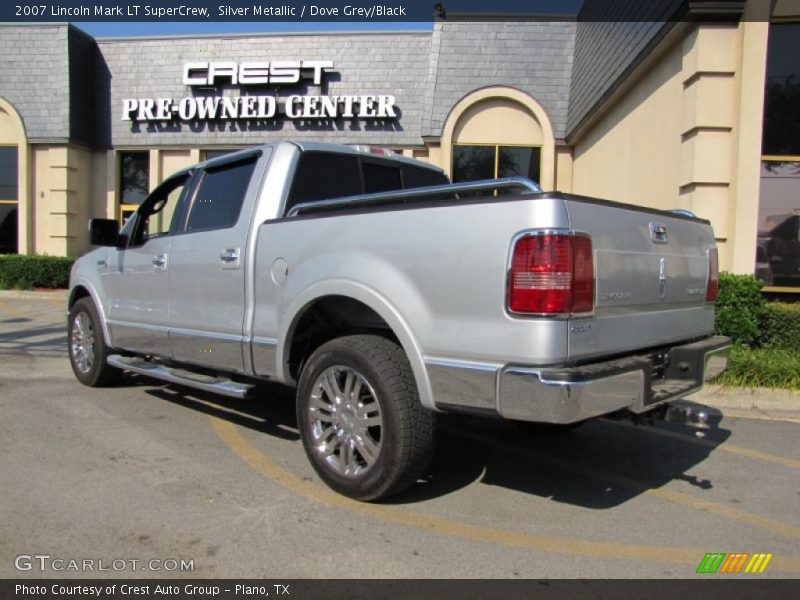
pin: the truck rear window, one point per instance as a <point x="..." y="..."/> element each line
<point x="421" y="177"/>
<point x="380" y="178"/>
<point x="323" y="175"/>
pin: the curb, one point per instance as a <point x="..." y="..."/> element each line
<point x="34" y="295"/>
<point x="761" y="399"/>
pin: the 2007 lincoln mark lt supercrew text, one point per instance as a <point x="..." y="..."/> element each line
<point x="386" y="294"/>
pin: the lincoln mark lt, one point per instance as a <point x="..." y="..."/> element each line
<point x="385" y="295"/>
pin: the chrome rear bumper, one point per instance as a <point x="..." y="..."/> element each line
<point x="572" y="394"/>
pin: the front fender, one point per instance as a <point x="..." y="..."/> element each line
<point x="80" y="278"/>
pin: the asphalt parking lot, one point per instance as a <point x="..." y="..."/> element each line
<point x="149" y="472"/>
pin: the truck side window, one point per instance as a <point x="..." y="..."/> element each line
<point x="220" y="196"/>
<point x="414" y="177"/>
<point x="380" y="178"/>
<point x="420" y="177"/>
<point x="323" y="175"/>
<point x="156" y="214"/>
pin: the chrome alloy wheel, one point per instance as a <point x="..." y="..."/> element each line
<point x="82" y="342"/>
<point x="345" y="420"/>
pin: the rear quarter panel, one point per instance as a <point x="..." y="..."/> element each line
<point x="440" y="270"/>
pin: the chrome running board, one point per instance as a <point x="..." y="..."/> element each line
<point x="199" y="381"/>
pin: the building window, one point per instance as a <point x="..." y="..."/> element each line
<point x="782" y="93"/>
<point x="778" y="245"/>
<point x="134" y="181"/>
<point x="209" y="154"/>
<point x="473" y="162"/>
<point x="9" y="199"/>
<point x="778" y="249"/>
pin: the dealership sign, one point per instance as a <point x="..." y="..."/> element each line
<point x="209" y="75"/>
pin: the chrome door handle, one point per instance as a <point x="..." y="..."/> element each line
<point x="229" y="255"/>
<point x="160" y="261"/>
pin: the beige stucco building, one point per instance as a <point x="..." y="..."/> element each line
<point x="667" y="114"/>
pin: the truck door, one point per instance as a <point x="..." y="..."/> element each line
<point x="207" y="265"/>
<point x="136" y="279"/>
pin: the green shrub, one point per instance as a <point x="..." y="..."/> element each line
<point x="780" y="326"/>
<point x="739" y="308"/>
<point x="766" y="336"/>
<point x="762" y="367"/>
<point x="24" y="272"/>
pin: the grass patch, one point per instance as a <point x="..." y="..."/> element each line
<point x="765" y="335"/>
<point x="762" y="367"/>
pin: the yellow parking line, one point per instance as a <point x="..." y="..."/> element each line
<point x="724" y="446"/>
<point x="230" y="435"/>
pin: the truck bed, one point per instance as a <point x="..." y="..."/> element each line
<point x="451" y="289"/>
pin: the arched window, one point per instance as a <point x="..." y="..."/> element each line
<point x="11" y="137"/>
<point x="498" y="132"/>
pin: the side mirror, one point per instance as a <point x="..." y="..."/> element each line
<point x="103" y="232"/>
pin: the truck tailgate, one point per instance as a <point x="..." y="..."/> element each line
<point x="651" y="274"/>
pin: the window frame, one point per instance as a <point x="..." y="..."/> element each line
<point x="773" y="289"/>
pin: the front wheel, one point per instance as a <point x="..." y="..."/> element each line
<point x="360" y="418"/>
<point x="87" y="347"/>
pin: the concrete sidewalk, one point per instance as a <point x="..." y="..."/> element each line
<point x="51" y="295"/>
<point x="768" y="402"/>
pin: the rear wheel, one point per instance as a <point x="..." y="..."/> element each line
<point x="360" y="418"/>
<point x="87" y="346"/>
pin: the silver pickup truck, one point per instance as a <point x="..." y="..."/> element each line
<point x="386" y="295"/>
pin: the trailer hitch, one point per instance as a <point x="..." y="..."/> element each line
<point x="696" y="418"/>
<point x="689" y="416"/>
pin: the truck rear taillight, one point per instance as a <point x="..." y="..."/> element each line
<point x="551" y="273"/>
<point x="713" y="275"/>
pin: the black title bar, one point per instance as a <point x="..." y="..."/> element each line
<point x="732" y="588"/>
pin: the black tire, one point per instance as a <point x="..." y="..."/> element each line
<point x="87" y="346"/>
<point x="385" y="394"/>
